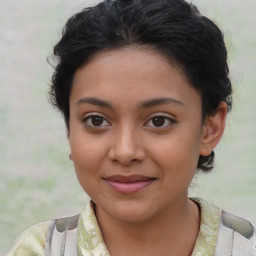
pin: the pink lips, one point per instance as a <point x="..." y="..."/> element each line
<point x="129" y="184"/>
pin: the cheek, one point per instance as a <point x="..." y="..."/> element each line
<point x="177" y="155"/>
<point x="87" y="157"/>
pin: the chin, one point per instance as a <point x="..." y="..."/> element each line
<point x="129" y="212"/>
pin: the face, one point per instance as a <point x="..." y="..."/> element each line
<point x="135" y="133"/>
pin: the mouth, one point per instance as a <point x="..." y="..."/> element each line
<point x="129" y="184"/>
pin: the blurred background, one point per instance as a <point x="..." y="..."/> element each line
<point x="37" y="180"/>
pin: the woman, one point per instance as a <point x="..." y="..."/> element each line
<point x="144" y="90"/>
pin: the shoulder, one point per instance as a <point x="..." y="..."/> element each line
<point x="228" y="233"/>
<point x="237" y="236"/>
<point x="240" y="225"/>
<point x="31" y="242"/>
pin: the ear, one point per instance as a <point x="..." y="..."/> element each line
<point x="213" y="129"/>
<point x="69" y="141"/>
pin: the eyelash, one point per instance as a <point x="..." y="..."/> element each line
<point x="171" y="121"/>
<point x="88" y="118"/>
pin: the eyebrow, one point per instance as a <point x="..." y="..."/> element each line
<point x="144" y="104"/>
<point x="95" y="101"/>
<point x="160" y="101"/>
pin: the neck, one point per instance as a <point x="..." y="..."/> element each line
<point x="172" y="233"/>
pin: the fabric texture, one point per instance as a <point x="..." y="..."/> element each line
<point x="31" y="242"/>
<point x="90" y="241"/>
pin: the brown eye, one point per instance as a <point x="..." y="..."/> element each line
<point x="158" y="121"/>
<point x="95" y="121"/>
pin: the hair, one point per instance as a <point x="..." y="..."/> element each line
<point x="174" y="28"/>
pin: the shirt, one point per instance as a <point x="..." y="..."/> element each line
<point x="90" y="241"/>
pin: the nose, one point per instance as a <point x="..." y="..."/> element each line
<point x="127" y="147"/>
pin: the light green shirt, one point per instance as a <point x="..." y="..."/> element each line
<point x="90" y="241"/>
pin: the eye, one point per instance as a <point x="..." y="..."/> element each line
<point x="95" y="121"/>
<point x="160" y="121"/>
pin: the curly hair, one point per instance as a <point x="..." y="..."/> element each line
<point x="174" y="28"/>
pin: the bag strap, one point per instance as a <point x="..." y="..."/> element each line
<point x="236" y="237"/>
<point x="61" y="238"/>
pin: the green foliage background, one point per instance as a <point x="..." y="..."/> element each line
<point x="37" y="180"/>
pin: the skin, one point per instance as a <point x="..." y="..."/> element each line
<point x="121" y="89"/>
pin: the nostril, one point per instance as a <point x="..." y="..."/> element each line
<point x="125" y="161"/>
<point x="126" y="152"/>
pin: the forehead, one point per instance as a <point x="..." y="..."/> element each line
<point x="134" y="74"/>
<point x="131" y="57"/>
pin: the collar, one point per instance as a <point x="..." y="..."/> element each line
<point x="90" y="241"/>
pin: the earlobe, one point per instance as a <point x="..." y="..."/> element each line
<point x="213" y="130"/>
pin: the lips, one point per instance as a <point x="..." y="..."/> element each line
<point x="129" y="184"/>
